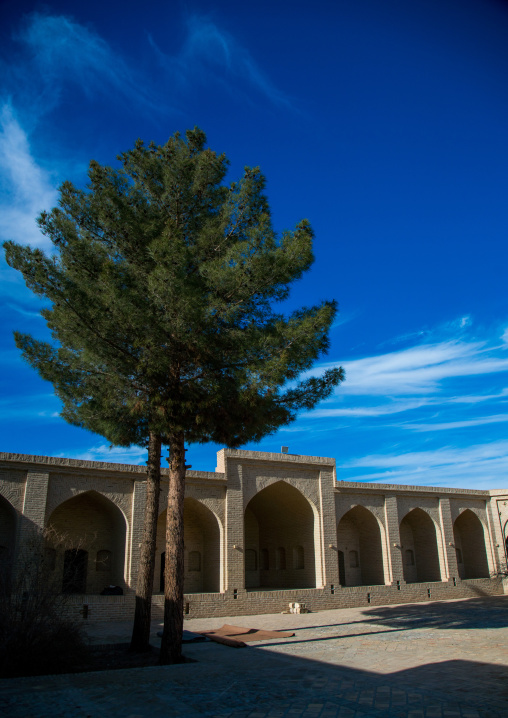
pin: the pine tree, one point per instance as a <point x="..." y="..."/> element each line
<point x="162" y="288"/>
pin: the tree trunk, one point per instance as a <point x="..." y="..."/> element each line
<point x="171" y="644"/>
<point x="140" y="640"/>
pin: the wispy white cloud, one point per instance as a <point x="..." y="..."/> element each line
<point x="479" y="421"/>
<point x="113" y="454"/>
<point x="368" y="411"/>
<point x="477" y="398"/>
<point x="418" y="370"/>
<point x="453" y="388"/>
<point x="27" y="187"/>
<point x="210" y="52"/>
<point x="480" y="466"/>
<point x="56" y="51"/>
<point x="23" y="312"/>
<point x="28" y="408"/>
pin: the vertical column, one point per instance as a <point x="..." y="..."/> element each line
<point x="30" y="527"/>
<point x="234" y="550"/>
<point x="137" y="521"/>
<point x="393" y="539"/>
<point x="34" y="509"/>
<point x="451" y="569"/>
<point x="328" y="532"/>
<point x="496" y="552"/>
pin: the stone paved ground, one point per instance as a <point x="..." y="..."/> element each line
<point x="433" y="660"/>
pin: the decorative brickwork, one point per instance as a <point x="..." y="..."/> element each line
<point x="262" y="531"/>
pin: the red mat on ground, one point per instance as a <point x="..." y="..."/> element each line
<point x="239" y="634"/>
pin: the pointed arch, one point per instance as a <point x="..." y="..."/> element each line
<point x="469" y="538"/>
<point x="83" y="529"/>
<point x="418" y="536"/>
<point x="279" y="524"/>
<point x="360" y="541"/>
<point x="203" y="540"/>
<point x="8" y="526"/>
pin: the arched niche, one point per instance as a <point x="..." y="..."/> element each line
<point x="202" y="549"/>
<point x="8" y="522"/>
<point x="83" y="531"/>
<point x="420" y="554"/>
<point x="279" y="524"/>
<point x="469" y="538"/>
<point x="359" y="544"/>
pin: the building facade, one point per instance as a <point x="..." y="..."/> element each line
<point x="261" y="531"/>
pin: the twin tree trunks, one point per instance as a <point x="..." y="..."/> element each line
<point x="171" y="643"/>
<point x="160" y="300"/>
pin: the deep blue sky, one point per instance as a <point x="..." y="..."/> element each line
<point x="383" y="123"/>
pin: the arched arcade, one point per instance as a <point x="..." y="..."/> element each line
<point x="359" y="549"/>
<point x="420" y="554"/>
<point x="86" y="544"/>
<point x="469" y="539"/>
<point x="279" y="537"/>
<point x="202" y="541"/>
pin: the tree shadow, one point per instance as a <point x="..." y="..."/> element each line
<point x="470" y="614"/>
<point x="266" y="679"/>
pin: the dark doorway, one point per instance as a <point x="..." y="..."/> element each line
<point x="342" y="569"/>
<point x="75" y="569"/>
<point x="163" y="567"/>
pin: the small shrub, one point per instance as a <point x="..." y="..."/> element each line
<point x="35" y="638"/>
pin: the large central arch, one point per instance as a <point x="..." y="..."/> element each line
<point x="86" y="544"/>
<point x="420" y="555"/>
<point x="360" y="549"/>
<point x="279" y="535"/>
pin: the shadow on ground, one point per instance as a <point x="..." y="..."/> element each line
<point x="262" y="681"/>
<point x="471" y="614"/>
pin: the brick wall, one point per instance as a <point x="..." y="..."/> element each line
<point x="274" y="523"/>
<point x="261" y="602"/>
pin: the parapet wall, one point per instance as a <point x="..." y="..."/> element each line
<point x="251" y="603"/>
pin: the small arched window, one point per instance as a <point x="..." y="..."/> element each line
<point x="410" y="557"/>
<point x="459" y="555"/>
<point x="280" y="559"/>
<point x="251" y="560"/>
<point x="353" y="559"/>
<point x="194" y="561"/>
<point x="103" y="561"/>
<point x="298" y="557"/>
<point x="265" y="560"/>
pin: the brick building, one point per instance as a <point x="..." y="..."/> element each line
<point x="261" y="531"/>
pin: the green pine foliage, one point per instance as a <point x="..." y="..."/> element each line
<point x="161" y="289"/>
<point x="161" y="292"/>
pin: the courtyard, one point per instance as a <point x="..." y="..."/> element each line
<point x="428" y="660"/>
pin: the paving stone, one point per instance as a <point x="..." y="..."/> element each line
<point x="340" y="664"/>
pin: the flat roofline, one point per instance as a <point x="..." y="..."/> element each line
<point x="57" y="462"/>
<point x="372" y="486"/>
<point x="269" y="456"/>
